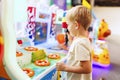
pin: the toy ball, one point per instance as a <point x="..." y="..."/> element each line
<point x="60" y="38"/>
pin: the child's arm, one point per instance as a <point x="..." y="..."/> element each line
<point x="70" y="39"/>
<point x="84" y="68"/>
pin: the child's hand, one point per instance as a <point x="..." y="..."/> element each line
<point x="60" y="66"/>
<point x="63" y="46"/>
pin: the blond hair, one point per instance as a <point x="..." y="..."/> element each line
<point x="80" y="14"/>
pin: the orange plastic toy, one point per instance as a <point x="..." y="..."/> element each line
<point x="29" y="72"/>
<point x="18" y="53"/>
<point x="30" y="48"/>
<point x="54" y="56"/>
<point x="42" y="63"/>
<point x="60" y="38"/>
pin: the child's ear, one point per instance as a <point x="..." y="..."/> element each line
<point x="77" y="25"/>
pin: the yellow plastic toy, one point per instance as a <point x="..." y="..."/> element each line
<point x="86" y="4"/>
<point x="100" y="54"/>
<point x="103" y="31"/>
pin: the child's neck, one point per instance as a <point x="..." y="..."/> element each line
<point x="82" y="34"/>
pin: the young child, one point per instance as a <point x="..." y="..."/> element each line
<point x="78" y="66"/>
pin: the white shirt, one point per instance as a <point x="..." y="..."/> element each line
<point x="80" y="50"/>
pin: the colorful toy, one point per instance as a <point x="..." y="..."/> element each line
<point x="42" y="63"/>
<point x="29" y="72"/>
<point x="103" y="31"/>
<point x="100" y="54"/>
<point x="38" y="55"/>
<point x="60" y="38"/>
<point x="18" y="53"/>
<point x="31" y="48"/>
<point x="86" y="4"/>
<point x="54" y="56"/>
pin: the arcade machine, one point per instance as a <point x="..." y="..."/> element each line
<point x="3" y="74"/>
<point x="26" y="56"/>
<point x="100" y="53"/>
<point x="9" y="57"/>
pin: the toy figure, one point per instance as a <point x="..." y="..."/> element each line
<point x="103" y="31"/>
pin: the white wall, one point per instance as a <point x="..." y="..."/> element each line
<point x="111" y="15"/>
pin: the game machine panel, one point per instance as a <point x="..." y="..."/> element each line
<point x="24" y="58"/>
<point x="52" y="47"/>
<point x="42" y="64"/>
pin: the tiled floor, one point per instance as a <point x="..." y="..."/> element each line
<point x="112" y="16"/>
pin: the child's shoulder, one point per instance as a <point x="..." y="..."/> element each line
<point x="81" y="40"/>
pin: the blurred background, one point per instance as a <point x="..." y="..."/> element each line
<point x="110" y="11"/>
